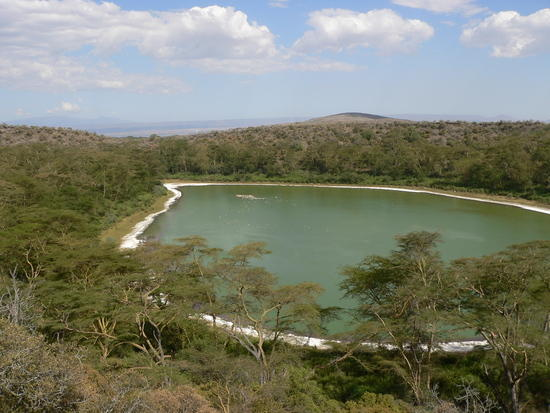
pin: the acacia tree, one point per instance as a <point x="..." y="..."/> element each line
<point x="258" y="310"/>
<point x="403" y="299"/>
<point x="505" y="297"/>
<point x="144" y="301"/>
<point x="162" y="300"/>
<point x="200" y="260"/>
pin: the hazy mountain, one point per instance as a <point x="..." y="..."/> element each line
<point x="119" y="128"/>
<point x="350" y="117"/>
<point x="66" y="122"/>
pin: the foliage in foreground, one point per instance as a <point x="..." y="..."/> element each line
<point x="39" y="377"/>
<point x="411" y="301"/>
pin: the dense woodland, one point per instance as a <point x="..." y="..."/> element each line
<point x="506" y="158"/>
<point x="86" y="327"/>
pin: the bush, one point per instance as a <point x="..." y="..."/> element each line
<point x="37" y="377"/>
<point x="377" y="403"/>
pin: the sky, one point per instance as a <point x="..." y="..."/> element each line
<point x="179" y="60"/>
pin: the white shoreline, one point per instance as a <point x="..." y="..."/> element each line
<point x="326" y="344"/>
<point x="132" y="241"/>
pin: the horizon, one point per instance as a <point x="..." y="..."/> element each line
<point x="72" y="117"/>
<point x="193" y="61"/>
<point x="120" y="128"/>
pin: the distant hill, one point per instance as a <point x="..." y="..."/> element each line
<point x="18" y="134"/>
<point x="336" y="128"/>
<point x="121" y="128"/>
<point x="352" y="117"/>
<point x="74" y="122"/>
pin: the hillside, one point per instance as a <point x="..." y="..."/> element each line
<point x="350" y="117"/>
<point x="332" y="129"/>
<point x="15" y="135"/>
<point x="505" y="158"/>
<point x="307" y="133"/>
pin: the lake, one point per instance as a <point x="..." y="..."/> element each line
<point x="313" y="232"/>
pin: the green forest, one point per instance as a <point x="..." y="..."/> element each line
<point x="87" y="327"/>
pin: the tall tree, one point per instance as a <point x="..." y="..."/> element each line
<point x="402" y="302"/>
<point x="505" y="297"/>
<point x="258" y="310"/>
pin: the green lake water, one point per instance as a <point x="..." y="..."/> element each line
<point x="313" y="232"/>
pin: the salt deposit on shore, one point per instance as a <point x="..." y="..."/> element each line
<point x="325" y="344"/>
<point x="131" y="240"/>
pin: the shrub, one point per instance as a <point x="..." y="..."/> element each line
<point x="36" y="376"/>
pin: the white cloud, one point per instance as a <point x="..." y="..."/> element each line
<point x="57" y="43"/>
<point x="54" y="73"/>
<point x="59" y="26"/>
<point x="467" y="7"/>
<point x="289" y="61"/>
<point x="21" y="112"/>
<point x="66" y="45"/>
<point x="384" y="30"/>
<point x="318" y="65"/>
<point x="65" y="25"/>
<point x="65" y="107"/>
<point x="279" y="3"/>
<point x="510" y="34"/>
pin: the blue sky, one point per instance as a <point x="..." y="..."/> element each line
<point x="174" y="60"/>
